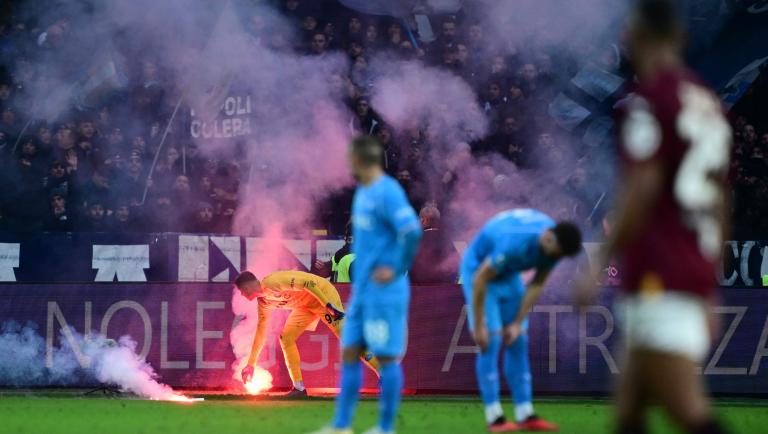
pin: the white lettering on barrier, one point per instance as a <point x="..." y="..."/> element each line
<point x="125" y="262"/>
<point x="55" y="321"/>
<point x="460" y="247"/>
<point x="454" y="348"/>
<point x="54" y="311"/>
<point x="323" y="362"/>
<point x="87" y="329"/>
<point x="552" y="311"/>
<point x="164" y="362"/>
<point x="712" y="368"/>
<point x="138" y="308"/>
<point x="761" y="350"/>
<point x="595" y="341"/>
<point x="730" y="280"/>
<point x="9" y="259"/>
<point x="745" y="249"/>
<point x="201" y="335"/>
<point x="741" y="264"/>
<point x="55" y="316"/>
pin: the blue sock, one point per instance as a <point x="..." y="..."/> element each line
<point x="487" y="370"/>
<point x="346" y="401"/>
<point x="391" y="389"/>
<point x="517" y="369"/>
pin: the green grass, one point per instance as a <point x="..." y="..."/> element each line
<point x="35" y="414"/>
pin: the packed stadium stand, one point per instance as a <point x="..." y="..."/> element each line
<point x="91" y="167"/>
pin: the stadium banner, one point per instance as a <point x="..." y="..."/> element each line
<point x="172" y="257"/>
<point x="183" y="329"/>
<point x="224" y="114"/>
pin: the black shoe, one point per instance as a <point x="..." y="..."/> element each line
<point x="296" y="393"/>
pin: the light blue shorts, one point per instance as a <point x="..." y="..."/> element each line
<point x="502" y="300"/>
<point x="380" y="326"/>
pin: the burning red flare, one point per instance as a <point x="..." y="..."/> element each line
<point x="261" y="381"/>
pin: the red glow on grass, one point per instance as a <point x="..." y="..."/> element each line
<point x="179" y="398"/>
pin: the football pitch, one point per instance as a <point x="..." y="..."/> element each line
<point x="35" y="413"/>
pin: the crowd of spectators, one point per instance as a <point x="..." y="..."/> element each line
<point x="88" y="170"/>
<point x="749" y="166"/>
<point x="514" y="85"/>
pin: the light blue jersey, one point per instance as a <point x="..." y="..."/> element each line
<point x="386" y="232"/>
<point x="510" y="240"/>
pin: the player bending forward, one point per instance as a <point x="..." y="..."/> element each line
<point x="310" y="298"/>
<point x="675" y="143"/>
<point x="498" y="302"/>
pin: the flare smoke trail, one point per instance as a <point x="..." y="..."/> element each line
<point x="99" y="360"/>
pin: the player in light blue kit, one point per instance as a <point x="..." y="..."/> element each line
<point x="498" y="302"/>
<point x="386" y="231"/>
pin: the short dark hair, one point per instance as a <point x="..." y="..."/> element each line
<point x="658" y="18"/>
<point x="568" y="237"/>
<point x="367" y="149"/>
<point x="243" y="278"/>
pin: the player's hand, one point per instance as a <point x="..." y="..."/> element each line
<point x="383" y="274"/>
<point x="512" y="332"/>
<point x="247" y="373"/>
<point x="481" y="336"/>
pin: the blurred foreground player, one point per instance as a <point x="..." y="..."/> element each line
<point x="387" y="232"/>
<point x="310" y="299"/>
<point x="675" y="143"/>
<point x="498" y="304"/>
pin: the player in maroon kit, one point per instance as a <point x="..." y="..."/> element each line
<point x="675" y="147"/>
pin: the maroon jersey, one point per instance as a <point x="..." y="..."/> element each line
<point x="678" y="122"/>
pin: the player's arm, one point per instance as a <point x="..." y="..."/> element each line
<point x="532" y="293"/>
<point x="400" y="215"/>
<point x="483" y="276"/>
<point x="258" y="343"/>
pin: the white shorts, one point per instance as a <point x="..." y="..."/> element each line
<point x="670" y="322"/>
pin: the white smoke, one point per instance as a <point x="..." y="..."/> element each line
<point x="410" y="95"/>
<point x="23" y="363"/>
